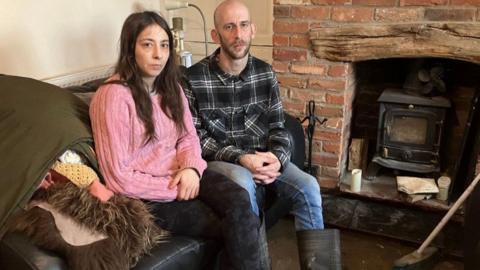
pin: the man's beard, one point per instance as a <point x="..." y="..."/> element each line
<point x="231" y="51"/>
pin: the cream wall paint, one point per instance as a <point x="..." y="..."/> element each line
<point x="47" y="38"/>
<point x="50" y="38"/>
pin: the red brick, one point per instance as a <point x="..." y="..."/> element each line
<point x="317" y="144"/>
<point x="327" y="183"/>
<point x="286" y="26"/>
<point x="280" y="66"/>
<point x="330" y="2"/>
<point x="302" y="41"/>
<point x="308" y="69"/>
<point x="334" y="99"/>
<point x="333" y="148"/>
<point x="337" y="71"/>
<point x="423" y="2"/>
<point x="374" y="2"/>
<point x="329" y="171"/>
<point x="465" y="3"/>
<point x="326" y="84"/>
<point x="281" y="11"/>
<point x="307" y="94"/>
<point x="295" y="107"/>
<point x="325" y="160"/>
<point x="283" y="92"/>
<point x="292" y="81"/>
<point x="398" y="14"/>
<point x="289" y="55"/>
<point x="294" y="114"/>
<point x="280" y="40"/>
<point x="326" y="135"/>
<point x="309" y="12"/>
<point x="344" y="14"/>
<point x="434" y="14"/>
<point x="333" y="123"/>
<point x="328" y="112"/>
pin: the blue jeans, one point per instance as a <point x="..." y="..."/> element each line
<point x="294" y="184"/>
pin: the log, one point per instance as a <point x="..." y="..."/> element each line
<point x="358" y="42"/>
<point x="357" y="154"/>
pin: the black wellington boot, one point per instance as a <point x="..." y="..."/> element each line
<point x="319" y="249"/>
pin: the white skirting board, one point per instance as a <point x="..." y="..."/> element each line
<point x="81" y="77"/>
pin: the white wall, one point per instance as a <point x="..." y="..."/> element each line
<point x="47" y="38"/>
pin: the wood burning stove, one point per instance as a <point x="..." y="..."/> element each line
<point x="409" y="132"/>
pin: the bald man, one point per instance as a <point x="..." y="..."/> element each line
<point x="236" y="108"/>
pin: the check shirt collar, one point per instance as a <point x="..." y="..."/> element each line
<point x="225" y="77"/>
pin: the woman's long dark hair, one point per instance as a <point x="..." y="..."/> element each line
<point x="166" y="84"/>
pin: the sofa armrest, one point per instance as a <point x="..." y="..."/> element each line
<point x="297" y="136"/>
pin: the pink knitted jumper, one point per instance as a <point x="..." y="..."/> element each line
<point x="128" y="165"/>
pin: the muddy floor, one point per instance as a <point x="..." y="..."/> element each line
<point x="359" y="251"/>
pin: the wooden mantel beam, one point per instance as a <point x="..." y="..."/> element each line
<point x="357" y="42"/>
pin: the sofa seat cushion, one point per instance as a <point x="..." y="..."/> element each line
<point x="181" y="252"/>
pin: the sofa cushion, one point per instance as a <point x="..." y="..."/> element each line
<point x="181" y="253"/>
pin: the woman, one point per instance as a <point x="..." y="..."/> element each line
<point x="148" y="149"/>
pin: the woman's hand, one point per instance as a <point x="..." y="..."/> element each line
<point x="100" y="191"/>
<point x="188" y="182"/>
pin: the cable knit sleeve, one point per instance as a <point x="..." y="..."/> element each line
<point x="113" y="118"/>
<point x="189" y="153"/>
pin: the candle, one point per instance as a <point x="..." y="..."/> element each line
<point x="356" y="181"/>
<point x="443" y="186"/>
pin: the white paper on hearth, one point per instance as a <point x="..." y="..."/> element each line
<point x="416" y="185"/>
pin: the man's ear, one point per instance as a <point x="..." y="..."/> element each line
<point x="254" y="30"/>
<point x="214" y="35"/>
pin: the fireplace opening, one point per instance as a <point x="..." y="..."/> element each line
<point x="416" y="127"/>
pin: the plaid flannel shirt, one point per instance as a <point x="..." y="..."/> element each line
<point x="236" y="115"/>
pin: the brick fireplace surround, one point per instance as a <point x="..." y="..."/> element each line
<point x="314" y="60"/>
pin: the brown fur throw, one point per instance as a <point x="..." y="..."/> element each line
<point x="127" y="223"/>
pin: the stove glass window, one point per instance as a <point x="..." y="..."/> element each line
<point x="406" y="129"/>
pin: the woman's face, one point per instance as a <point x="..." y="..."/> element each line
<point x="152" y="50"/>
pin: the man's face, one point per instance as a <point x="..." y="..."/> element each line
<point x="234" y="32"/>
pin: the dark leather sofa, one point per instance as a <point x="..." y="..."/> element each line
<point x="177" y="252"/>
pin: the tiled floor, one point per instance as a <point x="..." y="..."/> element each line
<point x="359" y="251"/>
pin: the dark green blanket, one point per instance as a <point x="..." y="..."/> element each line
<point x="38" y="122"/>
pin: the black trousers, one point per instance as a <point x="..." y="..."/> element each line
<point x="221" y="211"/>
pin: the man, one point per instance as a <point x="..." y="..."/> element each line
<point x="236" y="108"/>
